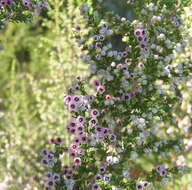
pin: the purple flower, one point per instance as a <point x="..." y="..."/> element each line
<point x="96" y="83"/>
<point x="102" y="169"/>
<point x="27" y="4"/>
<point x="98" y="177"/>
<point x="56" y="177"/>
<point x="95" y="187"/>
<point x="72" y="106"/>
<point x="76" y="98"/>
<point x="126" y="96"/>
<point x="93" y="122"/>
<point x="105" y="131"/>
<point x="80" y="119"/>
<point x="73" y="124"/>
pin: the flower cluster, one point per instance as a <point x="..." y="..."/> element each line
<point x="125" y="116"/>
<point x="33" y="5"/>
<point x="16" y="10"/>
<point x="77" y="103"/>
<point x="161" y="170"/>
<point x="50" y="180"/>
<point x="48" y="159"/>
<point x="142" y="185"/>
<point x="142" y="38"/>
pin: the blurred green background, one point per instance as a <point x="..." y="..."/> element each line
<point x="37" y="62"/>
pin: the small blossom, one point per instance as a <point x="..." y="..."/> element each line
<point x="101" y="89"/>
<point x="94" y="113"/>
<point x="93" y="122"/>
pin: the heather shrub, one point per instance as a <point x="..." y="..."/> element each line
<point x="127" y="133"/>
<point x="20" y="10"/>
<point x="95" y="95"/>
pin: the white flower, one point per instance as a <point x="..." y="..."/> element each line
<point x="109" y="159"/>
<point x="154" y="110"/>
<point x="115" y="160"/>
<point x="113" y="64"/>
<point x="161" y="36"/>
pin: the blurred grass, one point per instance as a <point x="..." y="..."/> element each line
<point x="37" y="62"/>
<point x="20" y="124"/>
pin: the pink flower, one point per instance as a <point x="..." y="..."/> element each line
<point x="50" y="183"/>
<point x="72" y="131"/>
<point x="67" y="99"/>
<point x="65" y="169"/>
<point x="98" y="129"/>
<point x="74" y="166"/>
<point x="72" y="154"/>
<point x="138" y="32"/>
<point x="93" y="122"/>
<point x="90" y="98"/>
<point x="161" y="170"/>
<point x="58" y="140"/>
<point x="81" y="119"/>
<point x="77" y="141"/>
<point x="77" y="161"/>
<point x="96" y="83"/>
<point x="10" y="2"/>
<point x="105" y="131"/>
<point x="74" y="147"/>
<point x="73" y="124"/>
<point x="76" y="98"/>
<point x="72" y="106"/>
<point x="80" y="130"/>
<point x="94" y="113"/>
<point x="101" y="89"/>
<point x="27" y="4"/>
<point x="3" y="3"/>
